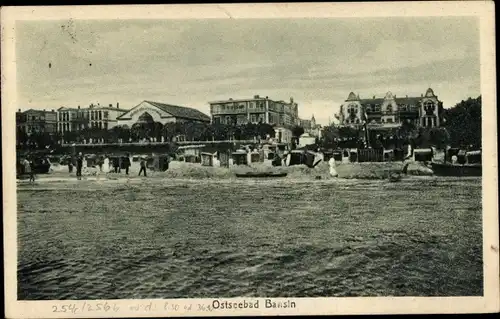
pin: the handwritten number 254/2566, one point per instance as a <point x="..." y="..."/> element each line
<point x="86" y="307"/>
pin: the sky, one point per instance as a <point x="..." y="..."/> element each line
<point x="191" y="62"/>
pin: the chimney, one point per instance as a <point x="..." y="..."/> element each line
<point x="19" y="110"/>
<point x="406" y="95"/>
<point x="374" y="97"/>
<point x="267" y="97"/>
<point x="291" y="99"/>
<point x="110" y="105"/>
<point x="117" y="105"/>
<point x="421" y="95"/>
<point x="98" y="104"/>
<point x="53" y="110"/>
<point x="230" y="99"/>
<point x="256" y="96"/>
<point x="78" y="106"/>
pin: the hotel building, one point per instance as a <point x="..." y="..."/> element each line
<point x="40" y="121"/>
<point x="95" y="116"/>
<point x="282" y="115"/>
<point x="392" y="111"/>
<point x="255" y="110"/>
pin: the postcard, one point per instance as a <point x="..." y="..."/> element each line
<point x="249" y="159"/>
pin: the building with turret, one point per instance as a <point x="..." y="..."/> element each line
<point x="391" y="111"/>
<point x="311" y="127"/>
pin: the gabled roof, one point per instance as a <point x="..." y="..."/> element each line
<point x="429" y="93"/>
<point x="372" y="101"/>
<point x="181" y="111"/>
<point x="65" y="108"/>
<point x="352" y="97"/>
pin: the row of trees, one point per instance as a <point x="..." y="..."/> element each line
<point x="155" y="130"/>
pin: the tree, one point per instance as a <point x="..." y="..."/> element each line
<point x="328" y="136"/>
<point x="463" y="122"/>
<point x="21" y="137"/>
<point x="348" y="132"/>
<point x="439" y="137"/>
<point x="297" y="131"/>
<point x="157" y="131"/>
<point x="265" y="129"/>
<point x="169" y="131"/>
<point x="408" y="130"/>
<point x="249" y="131"/>
<point x="120" y="132"/>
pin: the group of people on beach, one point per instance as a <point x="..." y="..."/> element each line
<point x="105" y="165"/>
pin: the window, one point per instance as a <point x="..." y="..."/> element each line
<point x="389" y="108"/>
<point x="100" y="124"/>
<point x="100" y="115"/>
<point x="352" y="108"/>
<point x="105" y="125"/>
<point x="429" y="107"/>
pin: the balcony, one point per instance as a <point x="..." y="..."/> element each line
<point x="409" y="111"/>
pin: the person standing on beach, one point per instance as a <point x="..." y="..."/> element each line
<point x="333" y="171"/>
<point x="79" y="166"/>
<point x="100" y="162"/>
<point x="106" y="164"/>
<point x="70" y="164"/>
<point x="29" y="170"/>
<point x="126" y="163"/>
<point x="143" y="167"/>
<point x="116" y="164"/>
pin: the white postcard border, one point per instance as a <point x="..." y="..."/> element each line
<point x="490" y="302"/>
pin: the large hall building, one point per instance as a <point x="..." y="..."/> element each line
<point x="391" y="111"/>
<point x="150" y="111"/>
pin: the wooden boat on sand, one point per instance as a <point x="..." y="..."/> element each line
<point x="467" y="164"/>
<point x="260" y="175"/>
<point x="448" y="169"/>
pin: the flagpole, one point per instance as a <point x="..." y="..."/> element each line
<point x="365" y="125"/>
<point x="367" y="136"/>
